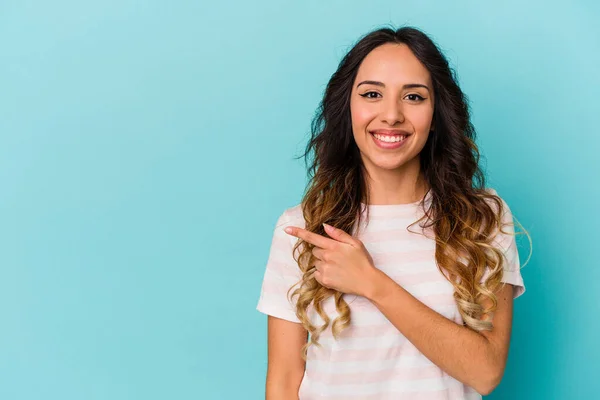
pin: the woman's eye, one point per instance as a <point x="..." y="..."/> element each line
<point x="419" y="98"/>
<point x="367" y="95"/>
<point x="412" y="97"/>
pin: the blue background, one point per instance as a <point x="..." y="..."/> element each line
<point x="146" y="151"/>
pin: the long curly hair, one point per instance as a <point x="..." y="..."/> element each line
<point x="462" y="213"/>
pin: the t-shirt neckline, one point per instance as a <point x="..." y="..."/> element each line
<point x="394" y="209"/>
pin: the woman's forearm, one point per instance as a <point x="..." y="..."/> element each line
<point x="463" y="353"/>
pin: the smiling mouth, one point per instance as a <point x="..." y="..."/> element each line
<point x="389" y="142"/>
<point x="390" y="138"/>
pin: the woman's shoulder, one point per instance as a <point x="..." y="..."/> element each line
<point x="491" y="190"/>
<point x="294" y="212"/>
<point x="292" y="216"/>
<point x="493" y="204"/>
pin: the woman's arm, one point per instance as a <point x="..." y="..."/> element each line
<point x="476" y="359"/>
<point x="285" y="368"/>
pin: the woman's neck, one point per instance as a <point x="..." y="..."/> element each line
<point x="396" y="187"/>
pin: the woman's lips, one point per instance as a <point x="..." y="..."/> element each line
<point x="390" y="145"/>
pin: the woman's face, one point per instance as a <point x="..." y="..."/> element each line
<point x="398" y="99"/>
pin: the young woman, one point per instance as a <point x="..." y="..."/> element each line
<point x="395" y="276"/>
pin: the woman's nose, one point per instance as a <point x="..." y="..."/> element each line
<point x="392" y="113"/>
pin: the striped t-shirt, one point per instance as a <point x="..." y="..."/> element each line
<point x="372" y="359"/>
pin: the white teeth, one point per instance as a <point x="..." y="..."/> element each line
<point x="390" y="139"/>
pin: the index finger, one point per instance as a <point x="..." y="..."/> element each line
<point x="311" y="237"/>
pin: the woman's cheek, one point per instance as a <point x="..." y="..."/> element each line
<point x="361" y="116"/>
<point x="424" y="119"/>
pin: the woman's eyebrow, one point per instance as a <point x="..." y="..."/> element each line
<point x="406" y="86"/>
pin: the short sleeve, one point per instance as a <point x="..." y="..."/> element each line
<point x="507" y="244"/>
<point x="281" y="273"/>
